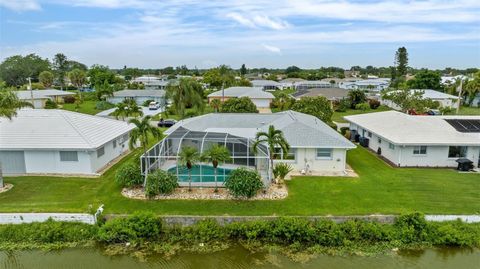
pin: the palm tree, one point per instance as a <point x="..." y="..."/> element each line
<point x="143" y="130"/>
<point x="9" y="104"/>
<point x="188" y="157"/>
<point x="120" y="111"/>
<point x="273" y="138"/>
<point x="186" y="92"/>
<point x="134" y="110"/>
<point x="216" y="154"/>
<point x="215" y="104"/>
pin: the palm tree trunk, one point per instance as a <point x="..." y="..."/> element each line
<point x="271" y="170"/>
<point x="145" y="164"/>
<point x="1" y="176"/>
<point x="189" y="180"/>
<point x="216" y="187"/>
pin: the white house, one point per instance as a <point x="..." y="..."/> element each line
<point x="445" y="100"/>
<point x="140" y="96"/>
<point x="258" y="96"/>
<point x="375" y="85"/>
<point x="290" y="82"/>
<point x="40" y="97"/>
<point x="311" y="84"/>
<point x="428" y="141"/>
<point x="314" y="146"/>
<point x="267" y="85"/>
<point x="476" y="101"/>
<point x="51" y="141"/>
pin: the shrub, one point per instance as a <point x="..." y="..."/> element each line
<point x="129" y="175"/>
<point x="239" y="105"/>
<point x="362" y="106"/>
<point x="244" y="182"/>
<point x="160" y="182"/>
<point x="318" y="106"/>
<point x="137" y="228"/>
<point x="411" y="228"/>
<point x="356" y="97"/>
<point x="103" y="105"/>
<point x="343" y="130"/>
<point x="341" y="105"/>
<point x="292" y="230"/>
<point x="374" y="104"/>
<point x="146" y="103"/>
<point x="280" y="170"/>
<point x="49" y="104"/>
<point x="203" y="231"/>
<point x="69" y="99"/>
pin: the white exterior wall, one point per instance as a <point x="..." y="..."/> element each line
<point x="262" y="103"/>
<point x="48" y="162"/>
<point x="308" y="156"/>
<point x="111" y="153"/>
<point x="402" y="155"/>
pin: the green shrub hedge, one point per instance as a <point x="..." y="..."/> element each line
<point x="129" y="175"/>
<point x="138" y="228"/>
<point x="243" y="182"/>
<point x="160" y="182"/>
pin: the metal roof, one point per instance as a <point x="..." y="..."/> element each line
<point x="250" y="92"/>
<point x="41" y="94"/>
<point x="403" y="129"/>
<point x="329" y="93"/>
<point x="58" y="129"/>
<point x="300" y="130"/>
<point x="264" y="82"/>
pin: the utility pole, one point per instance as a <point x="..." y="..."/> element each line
<point x="459" y="89"/>
<point x="31" y="90"/>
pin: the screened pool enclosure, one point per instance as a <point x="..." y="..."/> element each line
<point x="164" y="155"/>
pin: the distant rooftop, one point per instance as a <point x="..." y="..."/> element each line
<point x="139" y="93"/>
<point x="251" y="92"/>
<point x="41" y="94"/>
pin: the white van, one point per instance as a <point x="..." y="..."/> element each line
<point x="154" y="106"/>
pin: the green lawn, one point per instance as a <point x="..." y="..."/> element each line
<point x="465" y="110"/>
<point x="87" y="107"/>
<point x="338" y="116"/>
<point x="379" y="189"/>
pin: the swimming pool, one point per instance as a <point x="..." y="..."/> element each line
<point x="201" y="173"/>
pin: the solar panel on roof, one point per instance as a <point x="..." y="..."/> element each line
<point x="465" y="125"/>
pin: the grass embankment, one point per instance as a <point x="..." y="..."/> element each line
<point x="378" y="189"/>
<point x="465" y="110"/>
<point x="146" y="233"/>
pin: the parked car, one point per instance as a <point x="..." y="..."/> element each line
<point x="154" y="106"/>
<point x="166" y="123"/>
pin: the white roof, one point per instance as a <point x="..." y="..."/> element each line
<point x="250" y="92"/>
<point x="432" y="94"/>
<point x="403" y="129"/>
<point x="41" y="94"/>
<point x="264" y="82"/>
<point x="139" y="93"/>
<point x="300" y="130"/>
<point x="58" y="129"/>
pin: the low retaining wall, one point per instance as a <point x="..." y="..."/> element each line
<point x="19" y="218"/>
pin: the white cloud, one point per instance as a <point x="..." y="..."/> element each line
<point x="272" y="49"/>
<point x="242" y="20"/>
<point x="258" y="21"/>
<point x="20" y="5"/>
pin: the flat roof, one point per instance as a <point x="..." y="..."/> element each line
<point x="250" y="92"/>
<point x="403" y="129"/>
<point x="58" y="129"/>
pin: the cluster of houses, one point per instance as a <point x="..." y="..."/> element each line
<point x="40" y="141"/>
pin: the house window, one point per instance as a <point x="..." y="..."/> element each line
<point x="68" y="156"/>
<point x="391" y="146"/>
<point x="114" y="143"/>
<point x="457" y="152"/>
<point x="369" y="134"/>
<point x="324" y="154"/>
<point x="100" y="152"/>
<point x="379" y="141"/>
<point x="420" y="150"/>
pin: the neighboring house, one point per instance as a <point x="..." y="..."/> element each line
<point x="314" y="146"/>
<point x="375" y="85"/>
<point x="51" y="141"/>
<point x="259" y="97"/>
<point x="151" y="82"/>
<point x="290" y="82"/>
<point x="267" y="85"/>
<point x="476" y="101"/>
<point x="311" y="84"/>
<point x="140" y="96"/>
<point x="445" y="100"/>
<point x="448" y="80"/>
<point x="426" y="141"/>
<point x="332" y="94"/>
<point x="40" y="97"/>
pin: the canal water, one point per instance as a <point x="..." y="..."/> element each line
<point x="239" y="258"/>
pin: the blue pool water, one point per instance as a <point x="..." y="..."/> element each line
<point x="207" y="173"/>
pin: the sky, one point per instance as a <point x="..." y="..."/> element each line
<point x="258" y="33"/>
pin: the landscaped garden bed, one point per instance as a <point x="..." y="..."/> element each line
<point x="274" y="192"/>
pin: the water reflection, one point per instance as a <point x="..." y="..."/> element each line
<point x="238" y="257"/>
